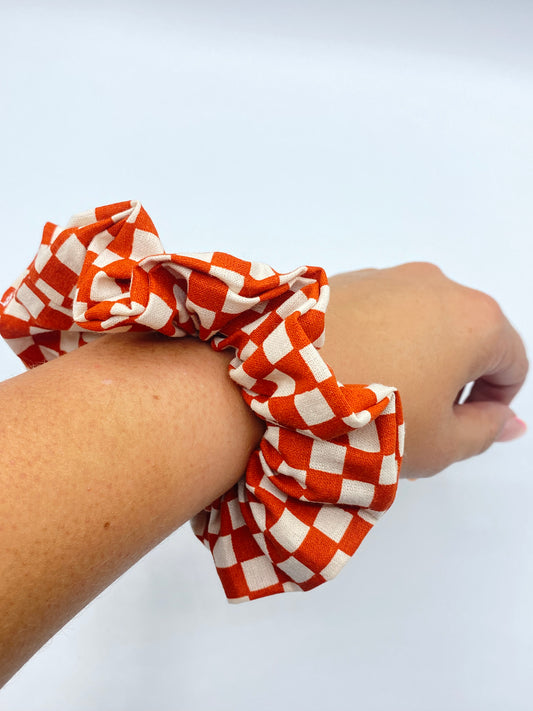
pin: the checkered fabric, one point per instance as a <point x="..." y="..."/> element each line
<point x="327" y="466"/>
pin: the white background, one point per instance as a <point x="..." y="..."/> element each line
<point x="344" y="134"/>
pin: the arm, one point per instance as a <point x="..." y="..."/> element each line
<point x="105" y="452"/>
<point x="110" y="448"/>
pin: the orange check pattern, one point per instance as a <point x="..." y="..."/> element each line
<point x="327" y="466"/>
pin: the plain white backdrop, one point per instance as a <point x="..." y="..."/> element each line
<point x="344" y="134"/>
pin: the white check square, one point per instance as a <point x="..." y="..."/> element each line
<point x="313" y="407"/>
<point x="289" y="531"/>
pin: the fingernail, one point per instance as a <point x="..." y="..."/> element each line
<point x="513" y="428"/>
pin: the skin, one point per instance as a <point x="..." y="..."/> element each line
<point x="412" y="327"/>
<point x="147" y="431"/>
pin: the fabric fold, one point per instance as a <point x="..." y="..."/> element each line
<point x="327" y="466"/>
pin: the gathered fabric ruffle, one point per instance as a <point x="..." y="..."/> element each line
<point x="327" y="466"/>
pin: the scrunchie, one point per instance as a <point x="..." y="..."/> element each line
<point x="327" y="466"/>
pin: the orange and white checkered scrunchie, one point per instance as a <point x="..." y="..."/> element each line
<point x="327" y="466"/>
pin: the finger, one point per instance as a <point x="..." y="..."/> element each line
<point x="485" y="391"/>
<point x="505" y="374"/>
<point x="477" y="425"/>
<point x="505" y="365"/>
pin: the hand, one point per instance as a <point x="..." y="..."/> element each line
<point x="412" y="327"/>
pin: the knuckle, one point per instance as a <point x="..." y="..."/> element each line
<point x="487" y="306"/>
<point x="493" y="309"/>
<point x="524" y="363"/>
<point x="424" y="268"/>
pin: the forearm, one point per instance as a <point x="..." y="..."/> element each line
<point x="104" y="453"/>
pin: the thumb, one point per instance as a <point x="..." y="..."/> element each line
<point x="477" y="425"/>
